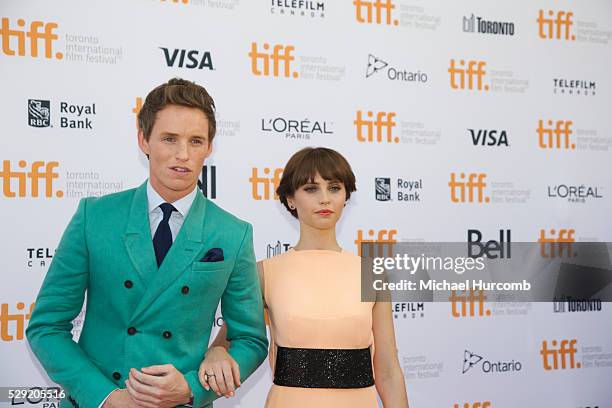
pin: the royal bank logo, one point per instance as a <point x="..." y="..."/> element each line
<point x="13" y="34"/>
<point x="208" y="181"/>
<point x="183" y="58"/>
<point x="571" y="305"/>
<point x="489" y="137"/>
<point x="277" y="248"/>
<point x="382" y="188"/>
<point x="39" y="113"/>
<point x="376" y="65"/>
<point x="406" y="190"/>
<point x="480" y="25"/>
<point x="471" y="360"/>
<point x="301" y="8"/>
<point x="556" y="25"/>
<point x="297" y="128"/>
<point x="574" y="87"/>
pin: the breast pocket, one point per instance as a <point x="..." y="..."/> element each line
<point x="209" y="278"/>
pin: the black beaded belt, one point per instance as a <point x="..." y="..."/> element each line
<point x="323" y="368"/>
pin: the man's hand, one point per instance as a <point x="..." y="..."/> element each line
<point x="219" y="372"/>
<point x="158" y="386"/>
<point x="118" y="399"/>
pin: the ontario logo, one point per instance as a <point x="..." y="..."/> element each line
<point x="376" y="65"/>
<point x="471" y="360"/>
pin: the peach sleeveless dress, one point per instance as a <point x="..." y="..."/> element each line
<point x="314" y="301"/>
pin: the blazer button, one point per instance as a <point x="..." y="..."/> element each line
<point x="128" y="284"/>
<point x="185" y="290"/>
<point x="131" y="331"/>
<point x="167" y="335"/>
<point x="116" y="376"/>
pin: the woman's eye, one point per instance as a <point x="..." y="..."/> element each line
<point x="335" y="188"/>
<point x="310" y="189"/>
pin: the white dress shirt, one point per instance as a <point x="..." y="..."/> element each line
<point x="156" y="215"/>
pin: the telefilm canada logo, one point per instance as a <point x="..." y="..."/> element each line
<point x="300" y="8"/>
<point x="393" y="73"/>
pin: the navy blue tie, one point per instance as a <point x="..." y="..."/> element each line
<point x="162" y="240"/>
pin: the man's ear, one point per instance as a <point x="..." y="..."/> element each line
<point x="143" y="143"/>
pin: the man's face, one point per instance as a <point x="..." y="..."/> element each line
<point x="177" y="148"/>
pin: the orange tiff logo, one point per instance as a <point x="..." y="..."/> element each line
<point x="474" y="74"/>
<point x="558" y="244"/>
<point x="557" y="138"/>
<point x="556" y="27"/>
<point x="12" y="325"/>
<point x="370" y="129"/>
<point x="375" y="11"/>
<point x="379" y="240"/>
<point x="267" y="182"/>
<point x="560" y="356"/>
<point x="39" y="32"/>
<point x="468" y="303"/>
<point x="39" y="170"/>
<point x="137" y="108"/>
<point x="475" y="183"/>
<point x="485" y="404"/>
<point x="280" y="59"/>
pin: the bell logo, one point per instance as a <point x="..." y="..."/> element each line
<point x="35" y="174"/>
<point x="370" y="129"/>
<point x="374" y="11"/>
<point x="193" y="57"/>
<point x="7" y="331"/>
<point x="267" y="182"/>
<point x="475" y="182"/>
<point x="384" y="238"/>
<point x="557" y="138"/>
<point x="281" y="54"/>
<point x="561" y="356"/>
<point x="468" y="304"/>
<point x="556" y="27"/>
<point x="560" y="245"/>
<point x="39" y="31"/>
<point x="485" y="404"/>
<point x="475" y="74"/>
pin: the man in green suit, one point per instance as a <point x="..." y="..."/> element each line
<point x="154" y="262"/>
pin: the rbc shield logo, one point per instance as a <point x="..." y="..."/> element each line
<point x="39" y="113"/>
<point x="383" y="188"/>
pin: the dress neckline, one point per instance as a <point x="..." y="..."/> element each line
<point x="318" y="250"/>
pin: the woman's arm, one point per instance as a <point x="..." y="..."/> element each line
<point x="388" y="374"/>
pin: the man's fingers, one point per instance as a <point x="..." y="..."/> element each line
<point x="147" y="379"/>
<point x="202" y="377"/>
<point x="158" y="369"/>
<point x="229" y="379"/>
<point x="236" y="372"/>
<point x="137" y="396"/>
<point x="212" y="380"/>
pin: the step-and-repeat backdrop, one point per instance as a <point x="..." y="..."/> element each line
<point x="474" y="115"/>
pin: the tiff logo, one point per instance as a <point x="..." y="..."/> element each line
<point x="485" y="404"/>
<point x="34" y="35"/>
<point x="384" y="239"/>
<point x="475" y="183"/>
<point x="560" y="245"/>
<point x="281" y="59"/>
<point x="559" y="355"/>
<point x="370" y="130"/>
<point x="7" y="175"/>
<point x="468" y="304"/>
<point x="7" y="332"/>
<point x="375" y="11"/>
<point x="557" y="138"/>
<point x="556" y="27"/>
<point x="256" y="181"/>
<point x="474" y="73"/>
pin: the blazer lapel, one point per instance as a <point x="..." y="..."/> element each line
<point x="137" y="238"/>
<point x="183" y="252"/>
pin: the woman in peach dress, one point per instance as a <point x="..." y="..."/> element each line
<point x="328" y="349"/>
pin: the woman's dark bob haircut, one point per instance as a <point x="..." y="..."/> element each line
<point x="304" y="165"/>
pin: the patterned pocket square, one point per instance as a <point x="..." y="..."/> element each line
<point x="213" y="255"/>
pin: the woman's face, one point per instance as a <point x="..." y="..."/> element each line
<point x="319" y="204"/>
